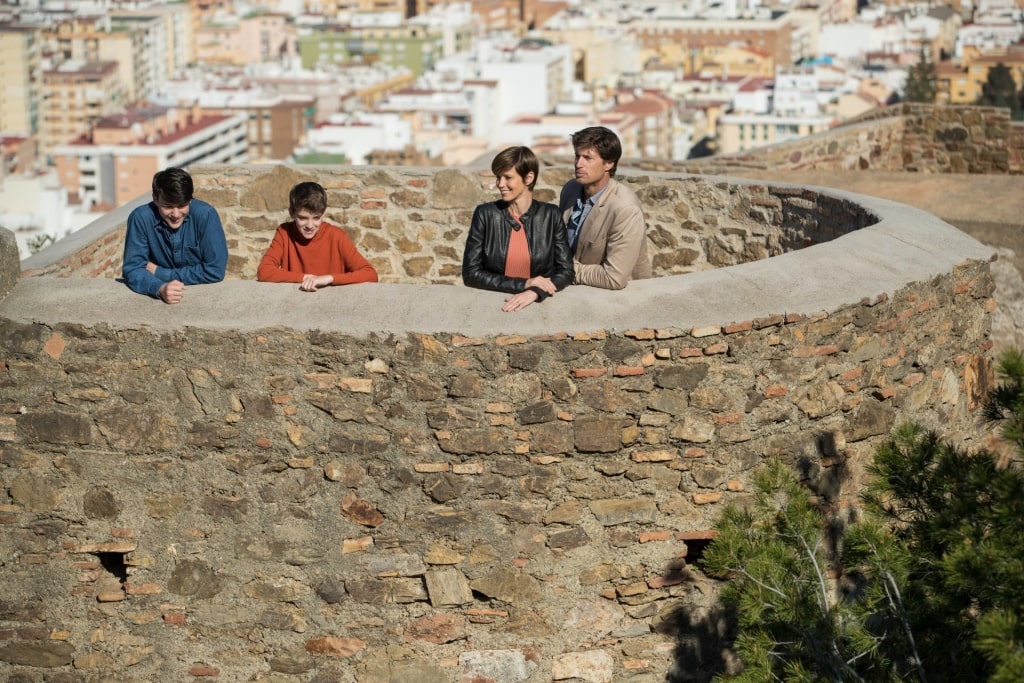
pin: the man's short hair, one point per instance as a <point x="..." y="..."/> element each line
<point x="172" y="187"/>
<point x="601" y="139"/>
<point x="522" y="159"/>
<point x="308" y="196"/>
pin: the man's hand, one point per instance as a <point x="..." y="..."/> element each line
<point x="311" y="283"/>
<point x="519" y="301"/>
<point x="151" y="267"/>
<point x="172" y="292"/>
<point x="543" y="284"/>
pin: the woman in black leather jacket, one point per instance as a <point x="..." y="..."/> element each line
<point x="516" y="244"/>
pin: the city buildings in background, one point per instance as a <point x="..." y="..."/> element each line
<point x="114" y="162"/>
<point x="97" y="95"/>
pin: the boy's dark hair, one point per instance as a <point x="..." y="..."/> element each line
<point x="601" y="139"/>
<point x="307" y="196"/>
<point x="172" y="187"/>
<point x="522" y="159"/>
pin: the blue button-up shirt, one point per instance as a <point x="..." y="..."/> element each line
<point x="195" y="253"/>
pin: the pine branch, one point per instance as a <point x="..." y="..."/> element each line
<point x="897" y="607"/>
<point x="752" y="579"/>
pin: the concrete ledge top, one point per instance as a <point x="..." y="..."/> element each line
<point x="907" y="245"/>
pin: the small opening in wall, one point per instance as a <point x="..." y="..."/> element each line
<point x="695" y="548"/>
<point x="114" y="564"/>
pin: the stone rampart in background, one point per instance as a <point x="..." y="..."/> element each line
<point x="912" y="138"/>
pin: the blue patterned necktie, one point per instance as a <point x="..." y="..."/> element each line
<point x="573" y="228"/>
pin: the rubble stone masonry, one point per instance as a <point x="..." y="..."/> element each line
<point x="328" y="508"/>
<point x="285" y="505"/>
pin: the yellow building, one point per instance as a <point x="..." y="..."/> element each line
<point x="954" y="85"/>
<point x="599" y="54"/>
<point x="730" y="60"/>
<point x="73" y="97"/>
<point x="148" y="46"/>
<point x="663" y="38"/>
<point x="962" y="84"/>
<point x="19" y="79"/>
<point x="332" y="9"/>
<point x="1011" y="57"/>
<point x="742" y="132"/>
<point x="253" y="39"/>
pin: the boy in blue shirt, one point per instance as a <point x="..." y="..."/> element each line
<point x="173" y="241"/>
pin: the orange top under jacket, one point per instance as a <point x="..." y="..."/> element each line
<point x="517" y="261"/>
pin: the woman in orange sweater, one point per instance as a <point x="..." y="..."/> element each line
<point x="309" y="251"/>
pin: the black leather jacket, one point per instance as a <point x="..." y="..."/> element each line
<point x="483" y="261"/>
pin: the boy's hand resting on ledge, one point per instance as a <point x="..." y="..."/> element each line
<point x="311" y="283"/>
<point x="172" y="292"/>
<point x="519" y="301"/>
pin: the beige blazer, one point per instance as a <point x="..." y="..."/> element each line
<point x="612" y="245"/>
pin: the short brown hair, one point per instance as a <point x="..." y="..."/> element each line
<point x="172" y="187"/>
<point x="522" y="159"/>
<point x="602" y="140"/>
<point x="309" y="196"/>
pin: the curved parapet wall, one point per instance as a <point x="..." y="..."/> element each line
<point x="412" y="223"/>
<point x="399" y="482"/>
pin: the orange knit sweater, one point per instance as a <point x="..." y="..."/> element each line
<point x="330" y="252"/>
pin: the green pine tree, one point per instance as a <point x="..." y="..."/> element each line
<point x="1000" y="90"/>
<point x="922" y="84"/>
<point x="929" y="582"/>
<point x="795" y="623"/>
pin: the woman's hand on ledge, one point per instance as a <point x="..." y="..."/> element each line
<point x="519" y="301"/>
<point x="542" y="283"/>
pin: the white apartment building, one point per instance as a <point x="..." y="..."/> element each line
<point x="848" y="40"/>
<point x="452" y="21"/>
<point x="356" y="136"/>
<point x="451" y="120"/>
<point x="530" y="78"/>
<point x="767" y="112"/>
<point x="116" y="164"/>
<point x="754" y="95"/>
<point x="168" y="29"/>
<point x="796" y="91"/>
<point x="36" y="209"/>
<point x="549" y="133"/>
<point x="989" y="36"/>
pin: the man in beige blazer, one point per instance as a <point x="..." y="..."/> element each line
<point x="605" y="222"/>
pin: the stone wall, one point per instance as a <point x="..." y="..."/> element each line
<point x="242" y="487"/>
<point x="904" y="137"/>
<point x="316" y="507"/>
<point x="10" y="269"/>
